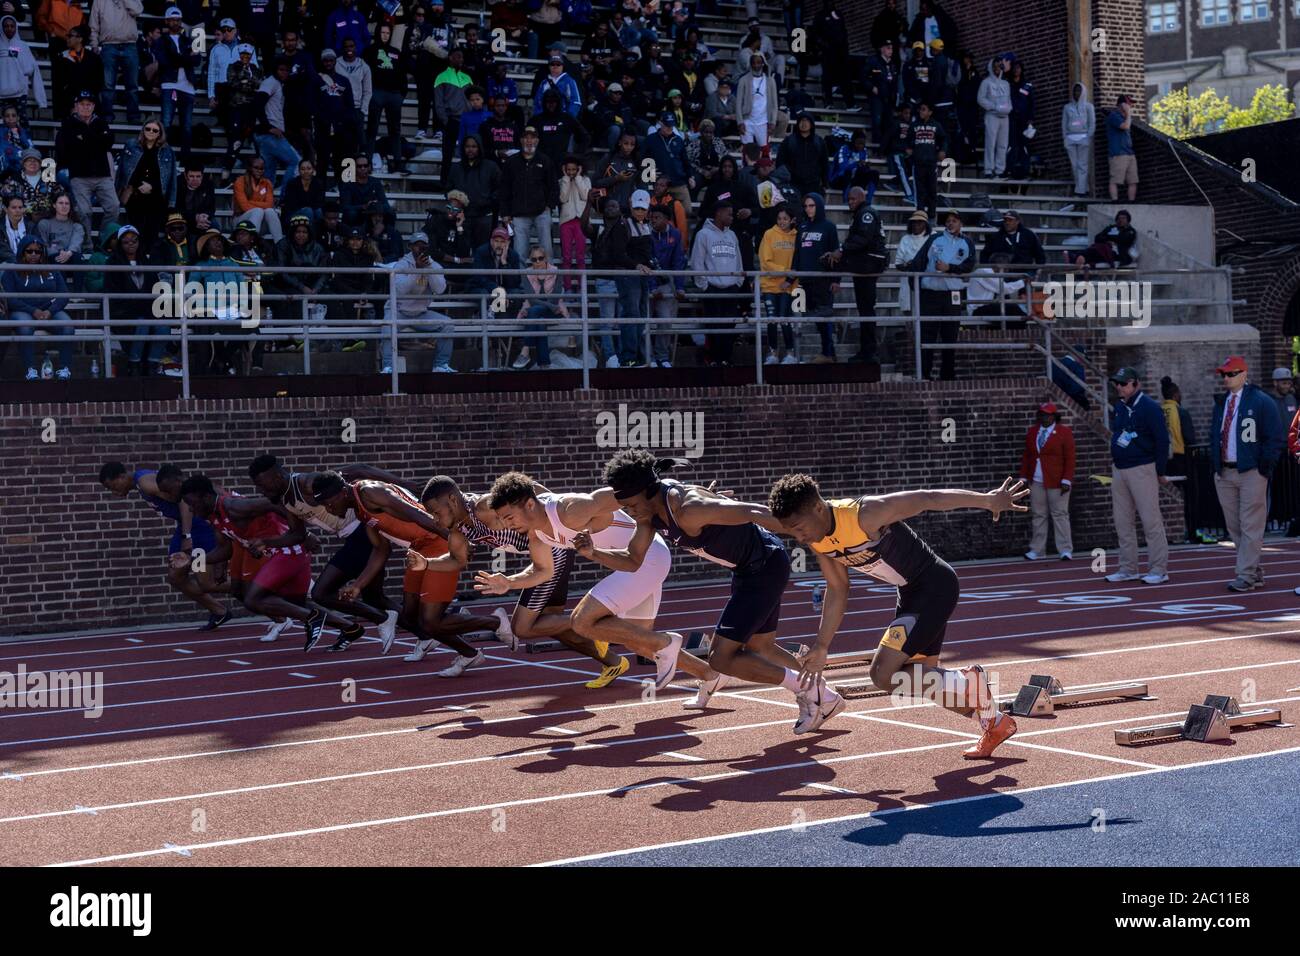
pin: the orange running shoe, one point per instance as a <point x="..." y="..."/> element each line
<point x="996" y="732"/>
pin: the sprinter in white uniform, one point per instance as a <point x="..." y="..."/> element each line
<point x="621" y="608"/>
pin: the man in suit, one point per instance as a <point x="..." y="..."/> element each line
<point x="1048" y="464"/>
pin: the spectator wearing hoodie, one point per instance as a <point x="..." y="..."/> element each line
<point x="851" y="166"/>
<point x="804" y="154"/>
<point x="82" y="148"/>
<point x="666" y="292"/>
<point x="357" y="72"/>
<point x="953" y="255"/>
<point x="416" y="279"/>
<point x="1247" y="437"/>
<point x="36" y="298"/>
<point x="223" y="53"/>
<point x="1015" y="241"/>
<point x="668" y="150"/>
<point x="831" y="33"/>
<point x="113" y="32"/>
<point x="1023" y="102"/>
<point x="557" y="79"/>
<point x="575" y="187"/>
<point x="346" y="23"/>
<point x="718" y="266"/>
<point x="556" y="129"/>
<point x="926" y="146"/>
<point x="364" y="195"/>
<point x="817" y="248"/>
<point x="20" y="74"/>
<point x="881" y="81"/>
<point x="335" y="115"/>
<point x="756" y="102"/>
<point x="388" y="77"/>
<point x="75" y="69"/>
<point x="479" y="178"/>
<point x="1078" y="126"/>
<point x="775" y="255"/>
<point x="994" y="99"/>
<point x="449" y="103"/>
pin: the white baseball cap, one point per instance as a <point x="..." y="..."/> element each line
<point x="640" y="199"/>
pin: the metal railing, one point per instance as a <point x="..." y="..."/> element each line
<point x="475" y="314"/>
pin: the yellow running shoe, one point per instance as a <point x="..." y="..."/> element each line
<point x="609" y="675"/>
<point x="602" y="648"/>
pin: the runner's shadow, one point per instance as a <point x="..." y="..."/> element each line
<point x="638" y="746"/>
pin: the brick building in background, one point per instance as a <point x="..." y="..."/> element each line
<point x="1232" y="46"/>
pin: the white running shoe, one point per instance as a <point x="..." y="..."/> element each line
<point x="823" y="704"/>
<point x="462" y="664"/>
<point x="63" y="373"/>
<point x="790" y="359"/>
<point x="611" y="362"/>
<point x="666" y="660"/>
<point x="1154" y="578"/>
<point x="32" y="375"/>
<point x="1119" y="576"/>
<point x="706" y="690"/>
<point x="1032" y="555"/>
<point x="1067" y="556"/>
<point x="386" y="370"/>
<point x="388" y="631"/>
<point x="421" y="134"/>
<point x="771" y="358"/>
<point x="274" y="631"/>
<point x="505" y="633"/>
<point x="421" y="648"/>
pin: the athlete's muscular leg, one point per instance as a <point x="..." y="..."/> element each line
<point x="182" y="580"/>
<point x="898" y="673"/>
<point x="755" y="661"/>
<point x="325" y="592"/>
<point x="554" y="622"/>
<point x="299" y="608"/>
<point x="594" y="621"/>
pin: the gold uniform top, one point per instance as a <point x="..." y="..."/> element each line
<point x="896" y="557"/>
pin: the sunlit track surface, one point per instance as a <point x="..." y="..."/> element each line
<point x="215" y="749"/>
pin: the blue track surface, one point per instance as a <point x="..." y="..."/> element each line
<point x="1242" y="813"/>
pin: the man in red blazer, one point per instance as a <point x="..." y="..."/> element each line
<point x="1048" y="463"/>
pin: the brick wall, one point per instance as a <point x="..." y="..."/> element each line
<point x="71" y="555"/>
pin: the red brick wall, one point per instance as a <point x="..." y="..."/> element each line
<point x="70" y="555"/>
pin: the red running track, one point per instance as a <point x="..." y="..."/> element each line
<point x="216" y="749"/>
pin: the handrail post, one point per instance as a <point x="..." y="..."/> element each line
<point x="392" y="332"/>
<point x="483" y="320"/>
<point x="306" y="337"/>
<point x="586" y="367"/>
<point x="758" y="331"/>
<point x="108" y="338"/>
<point x="915" y="281"/>
<point x="185" y="340"/>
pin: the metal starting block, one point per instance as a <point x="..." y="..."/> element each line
<point x="697" y="642"/>
<point x="1205" y="723"/>
<point x="1043" y="694"/>
<point x="541" y="647"/>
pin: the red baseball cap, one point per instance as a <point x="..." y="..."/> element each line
<point x="1234" y="363"/>
<point x="1049" y="407"/>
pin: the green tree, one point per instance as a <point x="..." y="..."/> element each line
<point x="1180" y="115"/>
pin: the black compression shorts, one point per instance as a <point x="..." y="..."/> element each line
<point x="924" y="607"/>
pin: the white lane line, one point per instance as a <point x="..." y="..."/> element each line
<point x="1082" y="753"/>
<point x="234" y="660"/>
<point x="832" y="789"/>
<point x="375" y="690"/>
<point x="561" y="730"/>
<point x="847" y="818"/>
<point x="135" y="640"/>
<point x="302" y="675"/>
<point x="682" y="756"/>
<point x="183" y="650"/>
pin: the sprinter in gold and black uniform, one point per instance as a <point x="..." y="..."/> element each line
<point x="870" y="535"/>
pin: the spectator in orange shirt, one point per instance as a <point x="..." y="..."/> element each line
<point x="255" y="200"/>
<point x="661" y="198"/>
<point x="1048" y="464"/>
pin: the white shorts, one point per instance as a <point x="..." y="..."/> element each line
<point x="754" y="133"/>
<point x="635" y="595"/>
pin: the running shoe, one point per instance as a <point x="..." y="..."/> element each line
<point x="314" y="626"/>
<point x="706" y="691"/>
<point x="1000" y="728"/>
<point x="388" y="630"/>
<point x="346" y="639"/>
<point x="421" y="649"/>
<point x="461" y="664"/>
<point x="215" y="620"/>
<point x="274" y="631"/>
<point x="823" y="704"/>
<point x="609" y="675"/>
<point x="505" y="633"/>
<point x="666" y="660"/>
<point x="1119" y="576"/>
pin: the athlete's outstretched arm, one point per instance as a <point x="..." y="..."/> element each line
<point x="618" y="559"/>
<point x="541" y="570"/>
<point x="878" y="511"/>
<point x="384" y="500"/>
<point x="246" y="509"/>
<point x="380" y="547"/>
<point x="696" y="512"/>
<point x="296" y="534"/>
<point x="833" y="606"/>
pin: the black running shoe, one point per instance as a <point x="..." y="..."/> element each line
<point x="215" y="620"/>
<point x="346" y="639"/>
<point x="314" y="626"/>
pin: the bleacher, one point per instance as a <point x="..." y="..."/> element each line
<point x="1046" y="206"/>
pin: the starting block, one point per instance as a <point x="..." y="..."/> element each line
<point x="1043" y="694"/>
<point x="698" y="643"/>
<point x="1213" y="720"/>
<point x="541" y="647"/>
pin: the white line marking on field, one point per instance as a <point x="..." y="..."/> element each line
<point x="302" y="675"/>
<point x="681" y="756"/>
<point x="135" y="640"/>
<point x="831" y="789"/>
<point x="241" y="663"/>
<point x="560" y="730"/>
<point x="183" y="650"/>
<point x="376" y="690"/>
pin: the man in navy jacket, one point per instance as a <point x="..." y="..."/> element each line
<point x="1139" y="449"/>
<point x="1246" y="439"/>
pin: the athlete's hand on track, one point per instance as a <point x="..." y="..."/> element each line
<point x="415" y="561"/>
<point x="349" y="592"/>
<point x="582" y="543"/>
<point x="1007" y="497"/>
<point x="812" y="665"/>
<point x="491" y="583"/>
